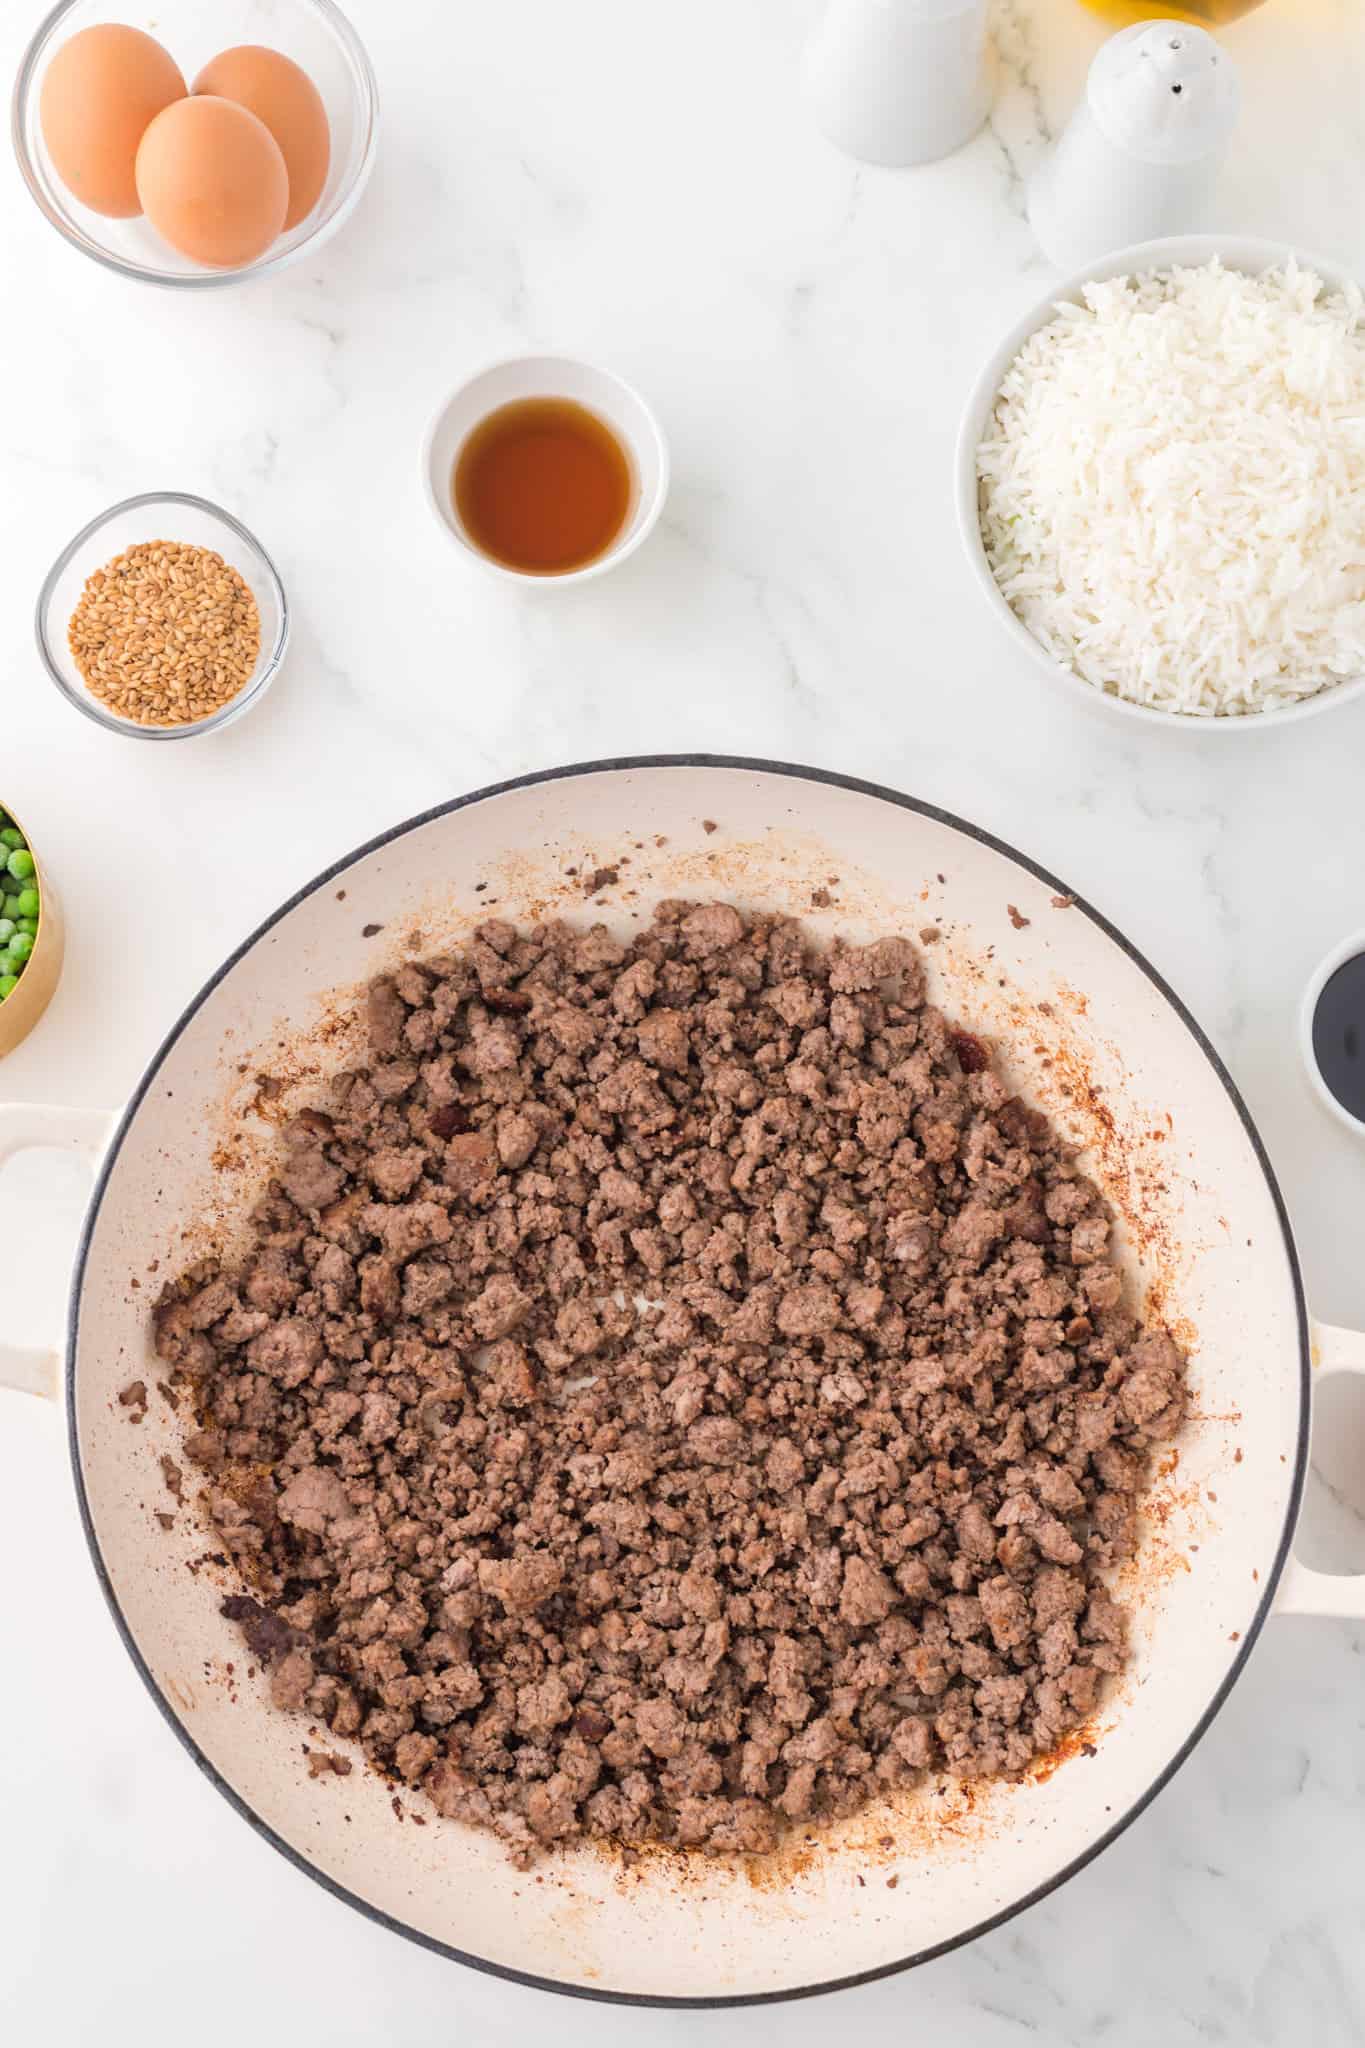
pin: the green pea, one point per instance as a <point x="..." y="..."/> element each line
<point x="8" y="984"/>
<point x="9" y="904"/>
<point x="7" y="928"/>
<point x="12" y="836"/>
<point x="21" y="863"/>
<point x="29" y="903"/>
<point x="19" y="947"/>
<point x="28" y="925"/>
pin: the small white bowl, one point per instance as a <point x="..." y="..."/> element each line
<point x="1349" y="949"/>
<point x="1188" y="251"/>
<point x="504" y="383"/>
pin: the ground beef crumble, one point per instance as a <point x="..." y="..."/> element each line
<point x="676" y="1391"/>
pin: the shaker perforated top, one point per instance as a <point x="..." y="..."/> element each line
<point x="1164" y="92"/>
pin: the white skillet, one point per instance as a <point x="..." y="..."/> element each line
<point x="1091" y="1032"/>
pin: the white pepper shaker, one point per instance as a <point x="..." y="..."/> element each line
<point x="899" y="81"/>
<point x="1140" y="156"/>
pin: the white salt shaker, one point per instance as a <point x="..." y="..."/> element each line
<point x="1140" y="156"/>
<point x="899" y="81"/>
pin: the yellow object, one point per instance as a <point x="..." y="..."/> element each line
<point x="1205" y="13"/>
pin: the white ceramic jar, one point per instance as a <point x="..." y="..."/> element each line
<point x="1139" y="158"/>
<point x="899" y="81"/>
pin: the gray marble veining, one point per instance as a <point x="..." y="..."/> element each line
<point x="640" y="184"/>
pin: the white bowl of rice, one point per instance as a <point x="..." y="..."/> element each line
<point x="1161" y="484"/>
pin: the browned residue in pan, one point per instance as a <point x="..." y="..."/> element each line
<point x="913" y="1824"/>
<point x="1082" y="1741"/>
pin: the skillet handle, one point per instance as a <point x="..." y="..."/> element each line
<point x="1337" y="1354"/>
<point x="23" y="1125"/>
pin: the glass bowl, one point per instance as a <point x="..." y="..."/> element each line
<point x="160" y="515"/>
<point x="313" y="32"/>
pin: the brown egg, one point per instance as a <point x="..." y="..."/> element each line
<point x="99" y="93"/>
<point x="213" y="182"/>
<point x="289" y="103"/>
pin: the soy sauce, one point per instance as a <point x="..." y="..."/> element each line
<point x="543" y="485"/>
<point x="1339" y="1035"/>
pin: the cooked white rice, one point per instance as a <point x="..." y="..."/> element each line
<point x="1172" y="488"/>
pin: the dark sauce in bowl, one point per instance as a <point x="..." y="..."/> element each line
<point x="1339" y="1035"/>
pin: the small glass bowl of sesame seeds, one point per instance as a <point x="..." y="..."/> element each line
<point x="163" y="619"/>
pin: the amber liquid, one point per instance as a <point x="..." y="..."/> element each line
<point x="543" y="485"/>
<point x="1204" y="13"/>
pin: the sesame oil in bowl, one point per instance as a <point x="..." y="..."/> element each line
<point x="545" y="470"/>
<point x="543" y="486"/>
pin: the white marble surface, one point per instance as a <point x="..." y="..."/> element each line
<point x="639" y="184"/>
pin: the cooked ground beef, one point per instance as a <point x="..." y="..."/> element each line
<point x="676" y="1391"/>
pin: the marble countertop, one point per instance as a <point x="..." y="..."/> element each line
<point x="640" y="185"/>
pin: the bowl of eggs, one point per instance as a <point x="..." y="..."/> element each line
<point x="196" y="157"/>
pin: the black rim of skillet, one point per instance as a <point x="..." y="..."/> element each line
<point x="301" y="1862"/>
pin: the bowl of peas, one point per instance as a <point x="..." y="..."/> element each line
<point x="31" y="936"/>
